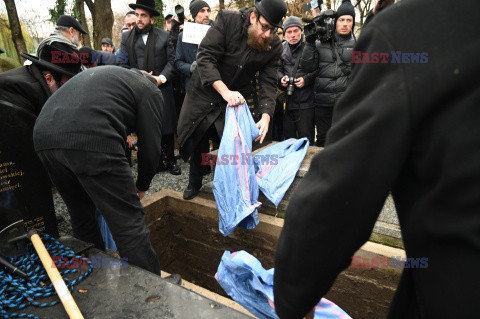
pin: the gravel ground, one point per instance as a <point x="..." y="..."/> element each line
<point x="161" y="181"/>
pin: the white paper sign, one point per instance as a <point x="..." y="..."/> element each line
<point x="194" y="32"/>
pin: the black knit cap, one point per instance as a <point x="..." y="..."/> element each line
<point x="197" y="5"/>
<point x="70" y="22"/>
<point x="148" y="5"/>
<point x="292" y="21"/>
<point x="57" y="57"/>
<point x="346" y="9"/>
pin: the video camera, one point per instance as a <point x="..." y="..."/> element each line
<point x="321" y="26"/>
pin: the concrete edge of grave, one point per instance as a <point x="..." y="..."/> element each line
<point x="211" y="295"/>
<point x="369" y="249"/>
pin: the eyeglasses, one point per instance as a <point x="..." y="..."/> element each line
<point x="266" y="28"/>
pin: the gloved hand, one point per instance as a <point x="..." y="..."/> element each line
<point x="193" y="66"/>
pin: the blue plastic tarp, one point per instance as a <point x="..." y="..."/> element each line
<point x="277" y="165"/>
<point x="235" y="186"/>
<point x="245" y="280"/>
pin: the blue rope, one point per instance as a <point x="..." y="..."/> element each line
<point x="17" y="293"/>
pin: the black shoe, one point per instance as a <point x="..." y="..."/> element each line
<point x="174" y="169"/>
<point x="161" y="167"/>
<point x="191" y="191"/>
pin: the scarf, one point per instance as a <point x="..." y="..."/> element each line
<point x="149" y="60"/>
<point x="56" y="36"/>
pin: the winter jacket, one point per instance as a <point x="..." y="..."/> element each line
<point x="185" y="55"/>
<point x="412" y="127"/>
<point x="25" y="87"/>
<point x="96" y="110"/>
<point x="302" y="98"/>
<point x="219" y="56"/>
<point x="330" y="82"/>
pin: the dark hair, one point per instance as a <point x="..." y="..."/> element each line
<point x="130" y="12"/>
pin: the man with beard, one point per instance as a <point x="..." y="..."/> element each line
<point x="150" y="49"/>
<point x="237" y="46"/>
<point x="23" y="92"/>
<point x="68" y="31"/>
<point x="186" y="53"/>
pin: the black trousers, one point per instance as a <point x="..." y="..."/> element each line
<point x="299" y="123"/>
<point x="197" y="170"/>
<point x="89" y="180"/>
<point x="168" y="147"/>
<point x="323" y="121"/>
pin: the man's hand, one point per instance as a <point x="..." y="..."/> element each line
<point x="159" y="81"/>
<point x="130" y="141"/>
<point x="284" y="80"/>
<point x="300" y="82"/>
<point x="233" y="98"/>
<point x="141" y="193"/>
<point x="263" y="127"/>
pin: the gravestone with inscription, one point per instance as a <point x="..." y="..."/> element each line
<point x="25" y="189"/>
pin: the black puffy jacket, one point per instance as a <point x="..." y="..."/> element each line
<point x="331" y="81"/>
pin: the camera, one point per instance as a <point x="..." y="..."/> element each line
<point x="290" y="86"/>
<point x="320" y="27"/>
<point x="180" y="12"/>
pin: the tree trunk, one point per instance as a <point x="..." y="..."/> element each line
<point x="221" y="4"/>
<point x="15" y="29"/>
<point x="79" y="5"/>
<point x="102" y="17"/>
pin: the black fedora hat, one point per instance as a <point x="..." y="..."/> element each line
<point x="148" y="5"/>
<point x="272" y="10"/>
<point x="57" y="57"/>
<point x="68" y="21"/>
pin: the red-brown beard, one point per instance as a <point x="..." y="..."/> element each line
<point x="256" y="42"/>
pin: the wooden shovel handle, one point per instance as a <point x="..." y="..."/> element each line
<point x="57" y="280"/>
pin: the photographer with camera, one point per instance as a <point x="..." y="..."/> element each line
<point x="330" y="41"/>
<point x="300" y="112"/>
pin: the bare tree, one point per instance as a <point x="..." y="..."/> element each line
<point x="364" y="6"/>
<point x="102" y="17"/>
<point x="15" y="28"/>
<point x="80" y="14"/>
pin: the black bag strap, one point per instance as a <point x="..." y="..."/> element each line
<point x="297" y="62"/>
<point x="343" y="66"/>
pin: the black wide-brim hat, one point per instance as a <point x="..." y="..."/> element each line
<point x="2" y="50"/>
<point x="148" y="5"/>
<point x="68" y="67"/>
<point x="272" y="10"/>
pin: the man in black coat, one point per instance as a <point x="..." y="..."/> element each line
<point x="80" y="138"/>
<point x="150" y="49"/>
<point x="299" y="118"/>
<point x="410" y="125"/>
<point x="23" y="92"/>
<point x="332" y="60"/>
<point x="238" y="45"/>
